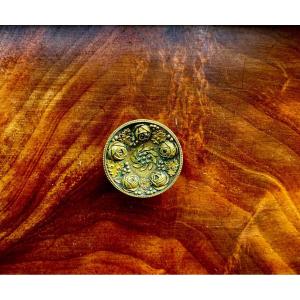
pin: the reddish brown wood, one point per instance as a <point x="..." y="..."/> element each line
<point x="231" y="95"/>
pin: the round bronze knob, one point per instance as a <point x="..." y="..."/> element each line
<point x="142" y="158"/>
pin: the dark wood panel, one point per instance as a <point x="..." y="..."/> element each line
<point x="231" y="95"/>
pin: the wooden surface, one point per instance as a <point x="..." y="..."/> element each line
<point x="231" y="95"/>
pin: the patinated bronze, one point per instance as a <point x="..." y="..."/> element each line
<point x="142" y="158"/>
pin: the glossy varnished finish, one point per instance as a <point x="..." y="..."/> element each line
<point x="231" y="96"/>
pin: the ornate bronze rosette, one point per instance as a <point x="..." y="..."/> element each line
<point x="142" y="158"/>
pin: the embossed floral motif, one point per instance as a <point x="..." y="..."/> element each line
<point x="126" y="136"/>
<point x="117" y="151"/>
<point x="159" y="179"/>
<point x="142" y="132"/>
<point x="114" y="167"/>
<point x="167" y="149"/>
<point x="158" y="136"/>
<point x="145" y="183"/>
<point x="144" y="157"/>
<point x="172" y="167"/>
<point x="130" y="182"/>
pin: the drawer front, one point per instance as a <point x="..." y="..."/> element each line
<point x="231" y="96"/>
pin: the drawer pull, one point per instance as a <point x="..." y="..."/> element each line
<point x="142" y="158"/>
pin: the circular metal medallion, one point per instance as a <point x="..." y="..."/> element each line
<point x="142" y="158"/>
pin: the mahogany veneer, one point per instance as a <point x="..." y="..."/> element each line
<point x="230" y="94"/>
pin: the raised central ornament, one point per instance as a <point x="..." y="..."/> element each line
<point x="142" y="158"/>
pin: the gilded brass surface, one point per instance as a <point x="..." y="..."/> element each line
<point x="142" y="158"/>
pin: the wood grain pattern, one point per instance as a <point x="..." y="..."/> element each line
<point x="231" y="95"/>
